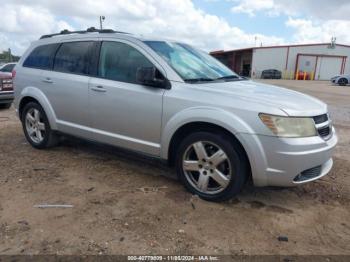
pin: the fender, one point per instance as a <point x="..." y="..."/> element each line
<point x="212" y="115"/>
<point x="37" y="94"/>
<point x="227" y="120"/>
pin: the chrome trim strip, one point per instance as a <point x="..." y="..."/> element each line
<point x="324" y="124"/>
<point x="106" y="133"/>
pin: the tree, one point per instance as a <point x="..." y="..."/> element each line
<point x="6" y="57"/>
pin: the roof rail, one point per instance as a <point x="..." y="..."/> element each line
<point x="89" y="30"/>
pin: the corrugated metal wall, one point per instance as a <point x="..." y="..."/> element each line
<point x="330" y="61"/>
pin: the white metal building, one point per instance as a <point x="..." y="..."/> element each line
<point x="316" y="61"/>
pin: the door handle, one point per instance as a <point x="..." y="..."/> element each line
<point x="98" y="89"/>
<point x="47" y="80"/>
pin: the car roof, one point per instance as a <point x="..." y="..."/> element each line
<point x="60" y="38"/>
<point x="81" y="35"/>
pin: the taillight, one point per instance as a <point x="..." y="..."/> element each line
<point x="7" y="84"/>
<point x="13" y="73"/>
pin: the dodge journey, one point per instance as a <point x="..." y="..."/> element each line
<point x="170" y="100"/>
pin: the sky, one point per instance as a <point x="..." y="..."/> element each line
<point x="206" y="24"/>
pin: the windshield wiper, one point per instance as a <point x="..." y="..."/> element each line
<point x="200" y="79"/>
<point x="228" y="77"/>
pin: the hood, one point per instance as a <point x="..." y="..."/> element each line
<point x="343" y="75"/>
<point x="291" y="102"/>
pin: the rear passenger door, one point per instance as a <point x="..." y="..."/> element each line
<point x="124" y="112"/>
<point x="67" y="86"/>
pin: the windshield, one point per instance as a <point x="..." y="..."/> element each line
<point x="7" y="68"/>
<point x="190" y="63"/>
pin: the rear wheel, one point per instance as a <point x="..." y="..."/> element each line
<point x="213" y="166"/>
<point x="36" y="127"/>
<point x="342" y="81"/>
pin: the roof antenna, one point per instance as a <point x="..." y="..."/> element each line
<point x="333" y="40"/>
<point x="102" y="19"/>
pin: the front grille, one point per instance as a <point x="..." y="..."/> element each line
<point x="320" y="119"/>
<point x="323" y="125"/>
<point x="308" y="174"/>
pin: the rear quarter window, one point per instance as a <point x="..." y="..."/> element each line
<point x="41" y="57"/>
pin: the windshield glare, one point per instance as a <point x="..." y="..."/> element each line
<point x="190" y="63"/>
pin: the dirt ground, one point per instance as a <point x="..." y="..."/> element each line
<point x="127" y="204"/>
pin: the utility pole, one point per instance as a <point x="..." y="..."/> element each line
<point x="333" y="41"/>
<point x="10" y="55"/>
<point x="102" y="18"/>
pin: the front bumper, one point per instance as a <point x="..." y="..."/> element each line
<point x="6" y="97"/>
<point x="288" y="161"/>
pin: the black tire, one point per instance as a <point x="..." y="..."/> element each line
<point x="5" y="106"/>
<point x="50" y="138"/>
<point x="235" y="157"/>
<point x="342" y="81"/>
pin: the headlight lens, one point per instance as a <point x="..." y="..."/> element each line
<point x="289" y="126"/>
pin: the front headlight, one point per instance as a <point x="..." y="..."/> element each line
<point x="283" y="126"/>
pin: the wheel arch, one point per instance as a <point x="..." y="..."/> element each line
<point x="346" y="81"/>
<point x="32" y="94"/>
<point x="206" y="118"/>
<point x="202" y="116"/>
<point x="198" y="126"/>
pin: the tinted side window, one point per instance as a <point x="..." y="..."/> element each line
<point x="119" y="61"/>
<point x="41" y="57"/>
<point x="74" y="58"/>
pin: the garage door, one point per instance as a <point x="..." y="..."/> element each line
<point x="307" y="63"/>
<point x="327" y="67"/>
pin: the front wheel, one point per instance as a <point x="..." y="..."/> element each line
<point x="36" y="127"/>
<point x="342" y="81"/>
<point x="212" y="165"/>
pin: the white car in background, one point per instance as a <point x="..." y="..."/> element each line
<point x="341" y="80"/>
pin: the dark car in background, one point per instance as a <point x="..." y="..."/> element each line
<point x="6" y="91"/>
<point x="271" y="74"/>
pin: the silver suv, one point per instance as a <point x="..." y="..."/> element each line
<point x="172" y="101"/>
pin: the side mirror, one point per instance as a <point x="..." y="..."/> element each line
<point x="149" y="76"/>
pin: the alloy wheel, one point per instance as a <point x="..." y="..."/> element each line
<point x="207" y="167"/>
<point x="35" y="126"/>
